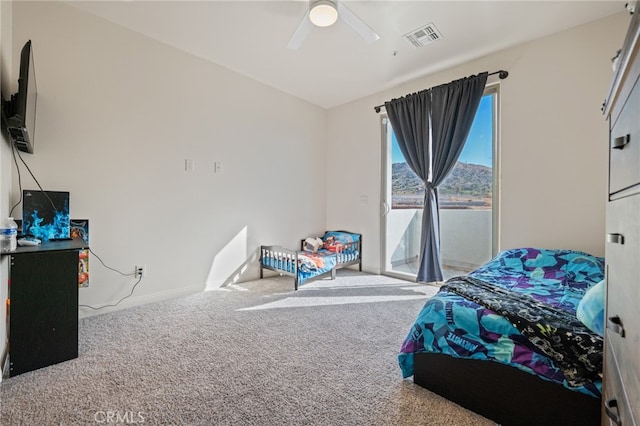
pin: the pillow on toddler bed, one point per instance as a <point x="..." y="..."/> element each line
<point x="341" y="236"/>
<point x="591" y="308"/>
<point x="312" y="244"/>
<point x="335" y="240"/>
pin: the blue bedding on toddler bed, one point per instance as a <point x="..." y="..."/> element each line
<point x="337" y="249"/>
<point x="453" y="325"/>
<point x="313" y="264"/>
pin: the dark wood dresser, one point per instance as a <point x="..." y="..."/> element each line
<point x="621" y="395"/>
<point x="43" y="305"/>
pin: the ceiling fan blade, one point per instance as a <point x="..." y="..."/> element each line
<point x="356" y="24"/>
<point x="304" y="27"/>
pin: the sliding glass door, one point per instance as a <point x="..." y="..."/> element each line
<point x="467" y="198"/>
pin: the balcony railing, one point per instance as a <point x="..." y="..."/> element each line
<point x="465" y="238"/>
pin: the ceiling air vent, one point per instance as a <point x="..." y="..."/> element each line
<point x="423" y="35"/>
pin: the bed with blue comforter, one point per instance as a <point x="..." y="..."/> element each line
<point x="518" y="310"/>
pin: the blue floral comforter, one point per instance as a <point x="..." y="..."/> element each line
<point x="454" y="325"/>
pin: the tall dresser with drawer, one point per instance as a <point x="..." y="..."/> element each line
<point x="621" y="393"/>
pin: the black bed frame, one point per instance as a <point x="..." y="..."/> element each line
<point x="504" y="394"/>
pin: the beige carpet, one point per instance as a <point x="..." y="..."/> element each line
<point x="253" y="354"/>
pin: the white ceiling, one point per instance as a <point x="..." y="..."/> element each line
<point x="334" y="65"/>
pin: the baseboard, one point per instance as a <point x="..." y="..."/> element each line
<point x="84" y="312"/>
<point x="463" y="266"/>
<point x="370" y="270"/>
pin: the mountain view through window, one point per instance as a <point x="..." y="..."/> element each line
<point x="469" y="185"/>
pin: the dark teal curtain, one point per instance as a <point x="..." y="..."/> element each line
<point x="440" y="118"/>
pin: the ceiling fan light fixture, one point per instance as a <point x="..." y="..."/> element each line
<point x="323" y="13"/>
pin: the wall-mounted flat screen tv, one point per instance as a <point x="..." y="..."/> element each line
<point x="20" y="111"/>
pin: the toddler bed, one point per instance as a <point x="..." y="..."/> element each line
<point x="339" y="249"/>
<point x="505" y="340"/>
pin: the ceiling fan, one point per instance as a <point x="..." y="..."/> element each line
<point x="324" y="13"/>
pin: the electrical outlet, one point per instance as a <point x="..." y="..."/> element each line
<point x="140" y="271"/>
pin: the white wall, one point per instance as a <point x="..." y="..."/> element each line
<point x="553" y="150"/>
<point x="118" y="114"/>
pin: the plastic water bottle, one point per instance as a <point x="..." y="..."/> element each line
<point x="8" y="235"/>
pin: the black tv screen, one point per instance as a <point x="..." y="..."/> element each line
<point x="21" y="120"/>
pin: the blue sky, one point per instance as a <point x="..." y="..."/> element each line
<point x="478" y="148"/>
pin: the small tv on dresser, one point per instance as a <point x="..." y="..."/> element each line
<point x="45" y="214"/>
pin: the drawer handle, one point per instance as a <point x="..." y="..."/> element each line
<point x="615" y="238"/>
<point x="609" y="406"/>
<point x="615" y="324"/>
<point x="621" y="141"/>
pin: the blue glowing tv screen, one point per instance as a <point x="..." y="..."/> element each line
<point x="45" y="214"/>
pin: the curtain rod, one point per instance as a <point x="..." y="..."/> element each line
<point x="502" y="74"/>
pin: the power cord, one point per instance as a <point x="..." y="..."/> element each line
<point x="121" y="273"/>
<point x="118" y="302"/>
<point x="34" y="178"/>
<point x="108" y="267"/>
<point x="15" y="160"/>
